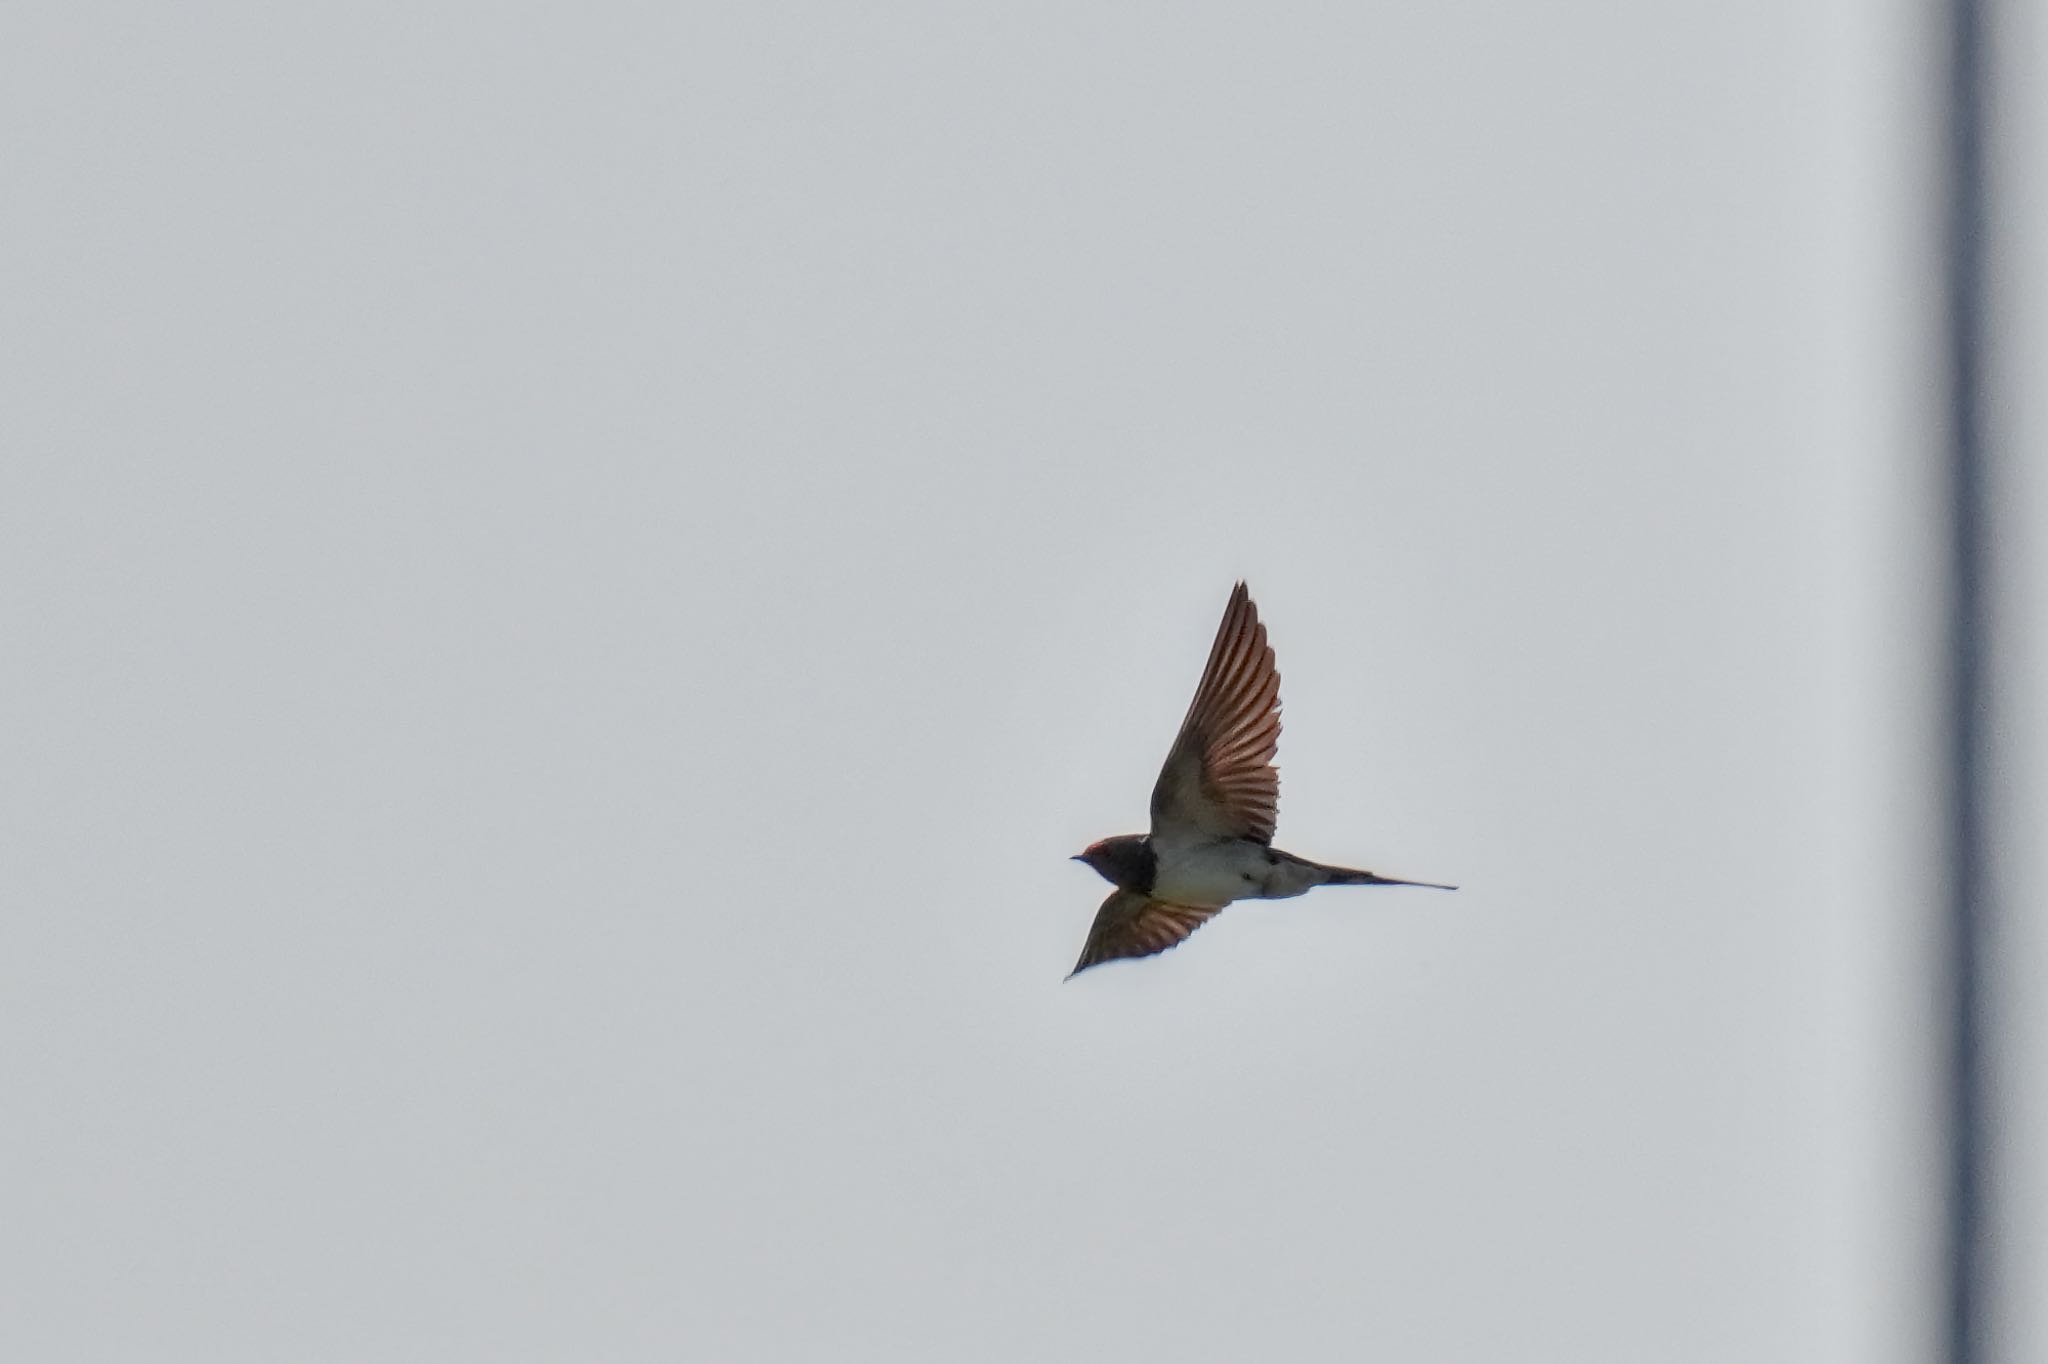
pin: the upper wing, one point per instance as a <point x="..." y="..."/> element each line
<point x="1219" y="781"/>
<point x="1133" y="925"/>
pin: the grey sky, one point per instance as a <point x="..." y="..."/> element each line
<point x="572" y="576"/>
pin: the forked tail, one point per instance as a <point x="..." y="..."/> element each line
<point x="1345" y="876"/>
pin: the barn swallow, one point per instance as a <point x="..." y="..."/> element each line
<point x="1213" y="811"/>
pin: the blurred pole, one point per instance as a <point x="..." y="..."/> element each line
<point x="1968" y="683"/>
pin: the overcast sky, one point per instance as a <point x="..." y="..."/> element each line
<point x="573" y="574"/>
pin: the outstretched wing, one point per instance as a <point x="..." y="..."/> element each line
<point x="1134" y="925"/>
<point x="1219" y="781"/>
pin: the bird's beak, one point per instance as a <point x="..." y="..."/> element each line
<point x="1078" y="857"/>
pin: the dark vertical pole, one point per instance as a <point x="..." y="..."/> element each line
<point x="1968" y="682"/>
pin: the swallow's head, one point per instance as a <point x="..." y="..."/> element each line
<point x="1125" y="860"/>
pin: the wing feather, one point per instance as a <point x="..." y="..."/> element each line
<point x="1219" y="780"/>
<point x="1134" y="925"/>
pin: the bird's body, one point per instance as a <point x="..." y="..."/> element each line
<point x="1213" y="812"/>
<point x="1216" y="871"/>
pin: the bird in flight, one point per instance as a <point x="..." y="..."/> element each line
<point x="1213" y="811"/>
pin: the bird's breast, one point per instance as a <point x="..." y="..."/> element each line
<point x="1213" y="872"/>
